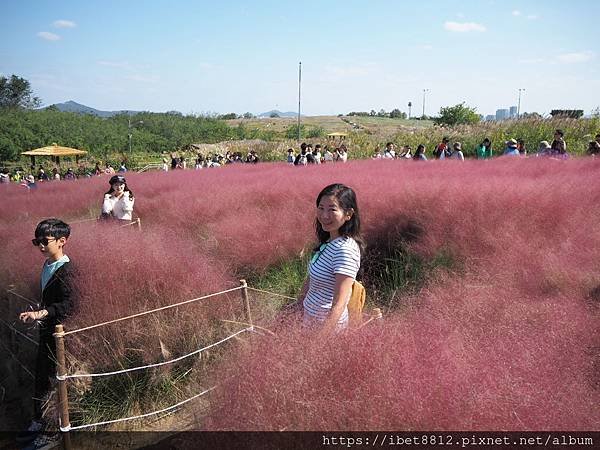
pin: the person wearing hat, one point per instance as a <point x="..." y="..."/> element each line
<point x="543" y="149"/>
<point x="511" y="148"/>
<point x="559" y="146"/>
<point x="457" y="152"/>
<point x="70" y="175"/>
<point x="118" y="201"/>
<point x="29" y="182"/>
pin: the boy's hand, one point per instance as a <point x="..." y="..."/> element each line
<point x="31" y="316"/>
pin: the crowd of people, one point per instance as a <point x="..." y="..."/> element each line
<point x="29" y="179"/>
<point x="210" y="160"/>
<point x="316" y="155"/>
<point x="512" y="147"/>
<point x="309" y="154"/>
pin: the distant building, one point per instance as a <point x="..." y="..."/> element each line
<point x="513" y="112"/>
<point x="501" y="114"/>
<point x="490" y="117"/>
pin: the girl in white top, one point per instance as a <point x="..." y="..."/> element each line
<point x="118" y="201"/>
<point x="336" y="261"/>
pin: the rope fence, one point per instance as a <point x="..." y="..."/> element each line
<point x="141" y="416"/>
<point x="10" y="291"/>
<point x="19" y="333"/>
<point x="19" y="362"/>
<point x="271" y="293"/>
<point x="62" y="375"/>
<point x="175" y="305"/>
<point x="132" y="369"/>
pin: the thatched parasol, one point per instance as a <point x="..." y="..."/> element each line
<point x="55" y="151"/>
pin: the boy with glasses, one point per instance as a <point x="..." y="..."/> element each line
<point x="56" y="304"/>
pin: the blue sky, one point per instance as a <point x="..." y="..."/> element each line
<point x="235" y="56"/>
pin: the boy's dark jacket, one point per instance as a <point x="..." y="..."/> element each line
<point x="58" y="297"/>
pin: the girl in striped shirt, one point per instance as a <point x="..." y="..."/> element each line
<point x="336" y="260"/>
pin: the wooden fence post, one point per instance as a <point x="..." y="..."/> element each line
<point x="246" y="302"/>
<point x="139" y="224"/>
<point x="63" y="399"/>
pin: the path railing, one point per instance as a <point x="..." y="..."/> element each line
<point x="63" y="377"/>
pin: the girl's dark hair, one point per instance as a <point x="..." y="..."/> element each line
<point x="55" y="228"/>
<point x="346" y="198"/>
<point x="111" y="190"/>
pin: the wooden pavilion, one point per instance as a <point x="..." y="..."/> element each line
<point x="55" y="152"/>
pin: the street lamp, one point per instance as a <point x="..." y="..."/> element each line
<point x="424" y="92"/>
<point x="409" y="106"/>
<point x="519" y="103"/>
<point x="129" y="126"/>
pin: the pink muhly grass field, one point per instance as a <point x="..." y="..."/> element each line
<point x="506" y="340"/>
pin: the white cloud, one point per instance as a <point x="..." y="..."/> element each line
<point x="463" y="27"/>
<point x="64" y="24"/>
<point x="144" y="78"/>
<point x="575" y="57"/>
<point x="516" y="13"/>
<point x="119" y="64"/>
<point x="48" y="36"/>
<point x="532" y="61"/>
<point x="532" y="16"/>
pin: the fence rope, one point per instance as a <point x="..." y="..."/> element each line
<point x="143" y="313"/>
<point x="141" y="416"/>
<point x="10" y="291"/>
<point x="135" y="222"/>
<point x="18" y="332"/>
<point x="272" y="293"/>
<point x="132" y="369"/>
<point x="20" y="363"/>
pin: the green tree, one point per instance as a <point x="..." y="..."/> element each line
<point x="570" y="113"/>
<point x="248" y="115"/>
<point x="315" y="132"/>
<point x="397" y="114"/>
<point x="291" y="132"/>
<point x="15" y="92"/>
<point x="531" y="115"/>
<point x="457" y="115"/>
<point x="273" y="115"/>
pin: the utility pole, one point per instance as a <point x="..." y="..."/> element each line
<point x="129" y="126"/>
<point x="519" y="104"/>
<point x="299" y="95"/>
<point x="424" y="92"/>
<point x="409" y="106"/>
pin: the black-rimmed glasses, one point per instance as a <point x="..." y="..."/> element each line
<point x="43" y="241"/>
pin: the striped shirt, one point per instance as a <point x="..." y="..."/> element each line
<point x="342" y="255"/>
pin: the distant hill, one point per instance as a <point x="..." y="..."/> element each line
<point x="78" y="108"/>
<point x="279" y="113"/>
